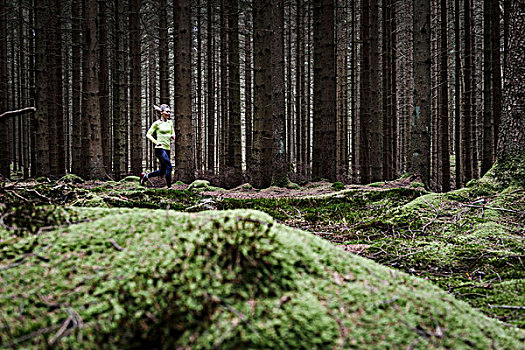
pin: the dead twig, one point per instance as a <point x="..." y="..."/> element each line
<point x="510" y="307"/>
<point x="41" y="196"/>
<point x="115" y="245"/>
<point x="493" y="208"/>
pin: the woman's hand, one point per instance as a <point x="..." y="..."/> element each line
<point x="173" y="137"/>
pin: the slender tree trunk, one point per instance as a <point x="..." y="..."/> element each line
<point x="280" y="166"/>
<point x="393" y="89"/>
<point x="466" y="140"/>
<point x="248" y="116"/>
<point x="324" y="142"/>
<point x="184" y="147"/>
<point x="376" y="123"/>
<point x="474" y="93"/>
<point x="364" y="106"/>
<point x="420" y="136"/>
<point x="443" y="118"/>
<point x="262" y="123"/>
<point x="299" y="92"/>
<point x="211" y="87"/>
<point x="4" y="150"/>
<point x="164" y="75"/>
<point x="224" y="112"/>
<point x="353" y="92"/>
<point x="119" y="110"/>
<point x="104" y="82"/>
<point x="95" y="166"/>
<point x="457" y="97"/>
<point x="386" y="93"/>
<point x="76" y="58"/>
<point x="200" y="126"/>
<point x="136" y="87"/>
<point x="496" y="71"/>
<point x="56" y="111"/>
<point x="488" y="127"/>
<point x="41" y="121"/>
<point x="234" y="156"/>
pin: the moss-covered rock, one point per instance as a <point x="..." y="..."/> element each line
<point x="136" y="278"/>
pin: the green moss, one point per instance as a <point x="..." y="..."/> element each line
<point x="232" y="279"/>
<point x="338" y="186"/>
<point x="130" y="178"/>
<point x="199" y="184"/>
<point x="71" y="179"/>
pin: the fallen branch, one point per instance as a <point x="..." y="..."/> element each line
<point x="493" y="208"/>
<point x="511" y="307"/>
<point x="17" y="112"/>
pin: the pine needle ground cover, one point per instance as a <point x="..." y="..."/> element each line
<point x="223" y="279"/>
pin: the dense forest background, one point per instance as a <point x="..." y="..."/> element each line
<point x="263" y="91"/>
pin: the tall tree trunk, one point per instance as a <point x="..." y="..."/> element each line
<point x="324" y="142"/>
<point x="466" y="140"/>
<point x="488" y="126"/>
<point x="496" y="71"/>
<point x="280" y="166"/>
<point x="184" y="147"/>
<point x="511" y="141"/>
<point x="365" y="101"/>
<point x="353" y="92"/>
<point x="262" y="118"/>
<point x="393" y="89"/>
<point x="4" y="150"/>
<point x="211" y="87"/>
<point x="119" y="109"/>
<point x="376" y="172"/>
<point x="224" y="112"/>
<point x="299" y="92"/>
<point x="104" y="82"/>
<point x="248" y="116"/>
<point x="443" y="110"/>
<point x="76" y="58"/>
<point x="420" y="136"/>
<point x="95" y="165"/>
<point x="234" y="157"/>
<point x="42" y="167"/>
<point x="200" y="126"/>
<point x="386" y="96"/>
<point x="56" y="111"/>
<point x="457" y="96"/>
<point x="136" y="87"/>
<point x="164" y="75"/>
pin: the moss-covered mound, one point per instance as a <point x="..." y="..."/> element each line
<point x="137" y="278"/>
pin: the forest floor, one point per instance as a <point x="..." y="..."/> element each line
<point x="468" y="242"/>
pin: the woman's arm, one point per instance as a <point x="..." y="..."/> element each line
<point x="150" y="132"/>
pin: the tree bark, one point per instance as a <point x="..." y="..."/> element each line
<point x="262" y="118"/>
<point x="280" y="165"/>
<point x="4" y="150"/>
<point x="325" y="120"/>
<point x="210" y="63"/>
<point x="104" y="82"/>
<point x="95" y="165"/>
<point x="42" y="167"/>
<point x="511" y="141"/>
<point x="76" y="58"/>
<point x="444" y="119"/>
<point x="184" y="147"/>
<point x="234" y="156"/>
<point x="420" y="136"/>
<point x="136" y="87"/>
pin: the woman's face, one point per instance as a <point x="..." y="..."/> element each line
<point x="166" y="113"/>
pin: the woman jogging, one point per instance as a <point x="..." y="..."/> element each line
<point x="165" y="133"/>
